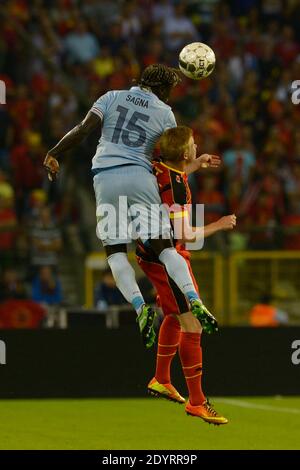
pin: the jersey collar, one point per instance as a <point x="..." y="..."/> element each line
<point x="173" y="169"/>
<point x="137" y="88"/>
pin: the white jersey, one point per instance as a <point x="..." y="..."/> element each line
<point x="132" y="122"/>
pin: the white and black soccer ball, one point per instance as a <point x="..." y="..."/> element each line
<point x="197" y="60"/>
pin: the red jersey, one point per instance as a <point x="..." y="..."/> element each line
<point x="175" y="193"/>
<point x="173" y="186"/>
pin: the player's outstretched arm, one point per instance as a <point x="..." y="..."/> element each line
<point x="204" y="161"/>
<point x="70" y="140"/>
<point x="187" y="234"/>
<point x="227" y="222"/>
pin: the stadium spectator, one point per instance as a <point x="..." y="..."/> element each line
<point x="8" y="222"/>
<point x="162" y="10"/>
<point x="103" y="65"/>
<point x="131" y="25"/>
<point x="46" y="240"/>
<point x="178" y="29"/>
<point x="265" y="314"/>
<point x="11" y="286"/>
<point x="101" y="13"/>
<point x="81" y="45"/>
<point x="37" y="201"/>
<point x="212" y="198"/>
<point x="238" y="161"/>
<point x="261" y="222"/>
<point x="46" y="287"/>
<point x="291" y="224"/>
<point x="107" y="293"/>
<point x="27" y="170"/>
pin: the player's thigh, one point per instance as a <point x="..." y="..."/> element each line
<point x="150" y="218"/>
<point x="111" y="208"/>
<point x="107" y="187"/>
<point x="171" y="299"/>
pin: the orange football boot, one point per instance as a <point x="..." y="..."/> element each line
<point x="206" y="412"/>
<point x="165" y="391"/>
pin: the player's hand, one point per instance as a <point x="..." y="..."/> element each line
<point x="209" y="161"/>
<point x="228" y="222"/>
<point x="52" y="167"/>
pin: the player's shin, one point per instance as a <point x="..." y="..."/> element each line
<point x="124" y="276"/>
<point x="191" y="360"/>
<point x="168" y="341"/>
<point x="177" y="269"/>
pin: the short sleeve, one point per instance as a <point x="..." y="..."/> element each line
<point x="102" y="104"/>
<point x="170" y="121"/>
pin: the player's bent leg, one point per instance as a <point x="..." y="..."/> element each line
<point x="175" y="265"/>
<point x="191" y="358"/>
<point x="178" y="270"/>
<point x="124" y="276"/>
<point x="168" y="341"/>
<point x="171" y="300"/>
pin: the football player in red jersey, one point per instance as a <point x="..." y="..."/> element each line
<point x="180" y="329"/>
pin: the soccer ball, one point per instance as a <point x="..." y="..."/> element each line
<point x="197" y="60"/>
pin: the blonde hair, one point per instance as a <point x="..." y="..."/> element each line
<point x="174" y="142"/>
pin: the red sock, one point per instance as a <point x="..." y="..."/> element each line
<point x="168" y="341"/>
<point x="190" y="352"/>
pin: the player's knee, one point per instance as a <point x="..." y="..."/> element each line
<point x="189" y="323"/>
<point x="158" y="245"/>
<point x="193" y="327"/>
<point x="115" y="249"/>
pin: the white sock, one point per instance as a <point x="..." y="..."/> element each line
<point x="124" y="275"/>
<point x="177" y="269"/>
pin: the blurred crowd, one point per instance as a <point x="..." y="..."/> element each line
<point x="58" y="56"/>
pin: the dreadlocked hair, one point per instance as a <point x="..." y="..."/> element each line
<point x="157" y="75"/>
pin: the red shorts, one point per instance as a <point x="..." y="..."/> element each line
<point x="171" y="299"/>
